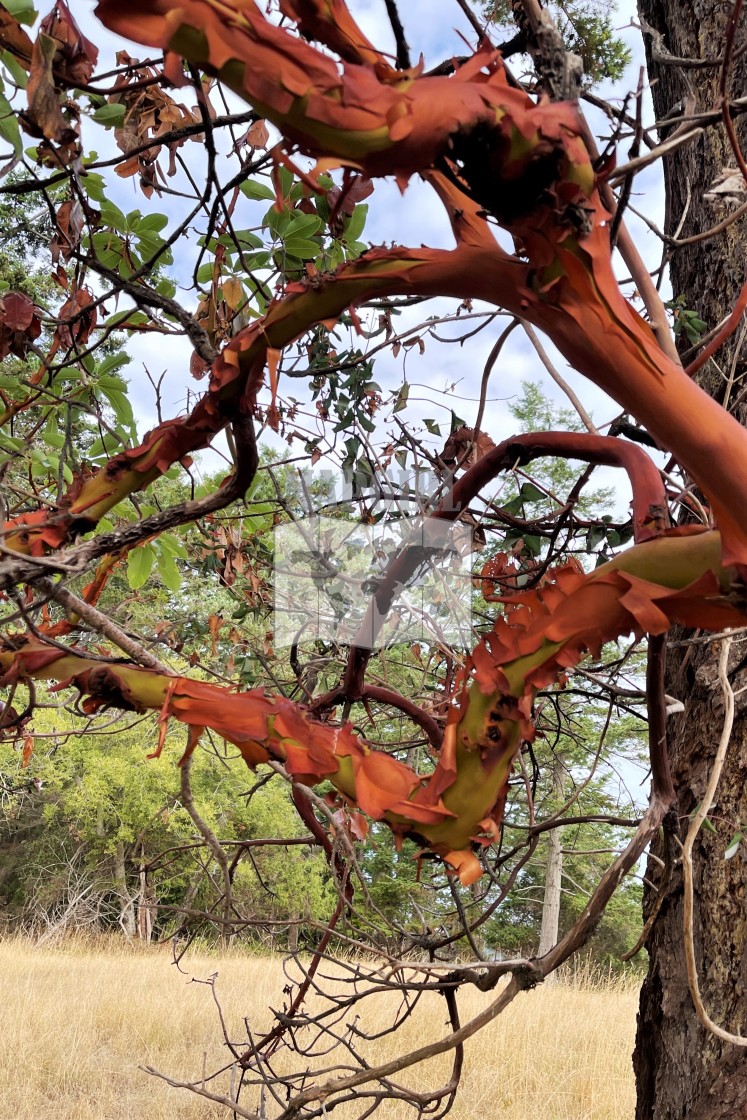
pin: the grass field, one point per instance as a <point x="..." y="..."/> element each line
<point x="80" y="1019"/>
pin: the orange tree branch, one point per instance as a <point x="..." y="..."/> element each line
<point x="613" y="346"/>
<point x="525" y="163"/>
<point x="238" y="373"/>
<point x="674" y="578"/>
<point x="408" y="707"/>
<point x="581" y="308"/>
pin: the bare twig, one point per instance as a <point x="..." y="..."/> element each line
<point x="557" y="377"/>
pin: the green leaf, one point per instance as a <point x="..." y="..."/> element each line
<point x="120" y="404"/>
<point x="113" y="362"/>
<point x="707" y="825"/>
<point x="256" y="189"/>
<point x="733" y="846"/>
<point x="303" y="225"/>
<point x="108" y="248"/>
<point x="595" y="535"/>
<point x="302" y="248"/>
<point x="239" y="239"/>
<point x="152" y="222"/>
<point x="355" y="225"/>
<point x="136" y="318"/>
<point x="139" y="565"/>
<point x="402" y="397"/>
<point x="256" y="260"/>
<point x="110" y="115"/>
<point x="286" y="180"/>
<point x="277" y="221"/>
<point x="355" y="248"/>
<point x="22" y="10"/>
<point x="165" y="287"/>
<point x="513" y="506"/>
<point x="9" y="129"/>
<point x="52" y="436"/>
<point x="531" y="493"/>
<point x="112" y="216"/>
<point x="10" y="443"/>
<point x="94" y="185"/>
<point x="172" y="545"/>
<point x="17" y="72"/>
<point x="432" y="427"/>
<point x="105" y="446"/>
<point x="168" y="570"/>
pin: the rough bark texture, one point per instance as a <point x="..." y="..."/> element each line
<point x="681" y="1070"/>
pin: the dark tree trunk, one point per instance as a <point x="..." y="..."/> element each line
<point x="682" y="1071"/>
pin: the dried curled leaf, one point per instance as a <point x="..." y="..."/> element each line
<point x="61" y="57"/>
<point x="20" y="324"/>
<point x="150" y="113"/>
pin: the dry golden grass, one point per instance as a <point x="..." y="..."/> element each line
<point x="78" y="1020"/>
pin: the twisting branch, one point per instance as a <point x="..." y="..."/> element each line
<point x="559" y="380"/>
<point x="403" y="51"/>
<point x="657" y="718"/>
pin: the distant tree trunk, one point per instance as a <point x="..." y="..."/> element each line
<point x="146" y="905"/>
<point x="127" y="904"/>
<point x="553" y="875"/>
<point x="681" y="1070"/>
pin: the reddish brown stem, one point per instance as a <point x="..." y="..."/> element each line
<point x="395" y="700"/>
<point x="661" y="774"/>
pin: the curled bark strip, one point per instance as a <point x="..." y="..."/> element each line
<point x="459" y="805"/>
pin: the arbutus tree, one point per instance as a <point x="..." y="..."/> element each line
<point x="499" y="157"/>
